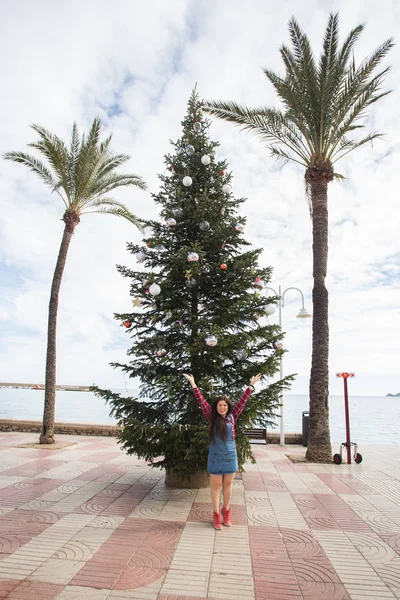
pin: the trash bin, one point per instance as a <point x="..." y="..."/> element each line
<point x="305" y="426"/>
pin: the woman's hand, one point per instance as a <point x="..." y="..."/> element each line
<point x="190" y="379"/>
<point x="254" y="379"/>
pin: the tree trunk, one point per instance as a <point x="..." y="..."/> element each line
<point x="319" y="443"/>
<point x="47" y="435"/>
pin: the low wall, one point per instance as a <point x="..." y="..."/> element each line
<point x="66" y="428"/>
<point x="108" y="430"/>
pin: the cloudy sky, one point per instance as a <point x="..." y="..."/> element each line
<point x="133" y="64"/>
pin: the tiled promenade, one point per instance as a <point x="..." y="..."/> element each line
<point x="87" y="522"/>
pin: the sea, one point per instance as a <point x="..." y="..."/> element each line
<point x="373" y="419"/>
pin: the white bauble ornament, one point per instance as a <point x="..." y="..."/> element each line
<point x="270" y="309"/>
<point x="226" y="188"/>
<point x="140" y="256"/>
<point x="154" y="289"/>
<point x="211" y="340"/>
<point x="161" y="352"/>
<point x="171" y="222"/>
<point x="278" y="345"/>
<point x="192" y="257"/>
<point x="222" y="211"/>
<point x="239" y="227"/>
<point x="205" y="159"/>
<point x="187" y="181"/>
<point x="204" y="225"/>
<point x="212" y="179"/>
<point x="189" y="150"/>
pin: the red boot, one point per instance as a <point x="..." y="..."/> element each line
<point x="217" y="521"/>
<point x="226" y="516"/>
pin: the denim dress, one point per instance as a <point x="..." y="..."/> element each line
<point x="222" y="456"/>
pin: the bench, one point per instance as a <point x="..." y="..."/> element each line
<point x="256" y="434"/>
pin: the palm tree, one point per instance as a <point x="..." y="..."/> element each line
<point x="323" y="103"/>
<point x="83" y="175"/>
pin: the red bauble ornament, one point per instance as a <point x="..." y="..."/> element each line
<point x="222" y="172"/>
<point x="223" y="266"/>
<point x="127" y="324"/>
<point x="148" y="244"/>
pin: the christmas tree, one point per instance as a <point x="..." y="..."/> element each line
<point x="197" y="308"/>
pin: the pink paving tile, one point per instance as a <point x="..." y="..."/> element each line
<point x="110" y="561"/>
<point x="7" y="586"/>
<point x="202" y="512"/>
<point x="163" y="534"/>
<point x="277" y="591"/>
<point x="35" y="590"/>
<point x="19" y="493"/>
<point x="335" y="484"/>
<point x="33" y="468"/>
<point x="103" y="500"/>
<point x="97" y="472"/>
<point x="11" y="543"/>
<point x="101" y="457"/>
<point x="253" y="482"/>
<point x="301" y="544"/>
<point x="316" y="516"/>
<point x="315" y="569"/>
<point x="124" y="505"/>
<point x="317" y="590"/>
<point x="174" y="597"/>
<point x="343" y="515"/>
<point x="146" y="566"/>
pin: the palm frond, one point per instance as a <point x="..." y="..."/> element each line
<point x="269" y="124"/>
<point x="54" y="149"/>
<point x="112" y="162"/>
<point x="112" y="207"/>
<point x="37" y="167"/>
<point x="352" y="145"/>
<point x="87" y="158"/>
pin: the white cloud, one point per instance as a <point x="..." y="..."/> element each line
<point x="73" y="62"/>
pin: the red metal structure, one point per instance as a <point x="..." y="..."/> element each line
<point x="337" y="458"/>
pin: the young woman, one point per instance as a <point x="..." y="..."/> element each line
<point x="222" y="457"/>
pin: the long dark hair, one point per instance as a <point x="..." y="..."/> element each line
<point x="217" y="423"/>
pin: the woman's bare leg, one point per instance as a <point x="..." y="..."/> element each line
<point x="227" y="489"/>
<point x="216" y="483"/>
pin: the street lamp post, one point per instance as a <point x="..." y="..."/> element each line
<point x="302" y="314"/>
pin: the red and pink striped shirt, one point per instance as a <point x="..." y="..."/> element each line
<point x="236" y="411"/>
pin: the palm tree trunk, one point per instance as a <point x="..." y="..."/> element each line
<point x="319" y="443"/>
<point x="47" y="435"/>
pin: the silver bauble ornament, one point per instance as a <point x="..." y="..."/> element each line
<point x="189" y="150"/>
<point x="140" y="256"/>
<point x="187" y="181"/>
<point x="204" y="225"/>
<point x="197" y="126"/>
<point x="278" y="345"/>
<point x="171" y="222"/>
<point x="192" y="257"/>
<point x="161" y="352"/>
<point x="239" y="227"/>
